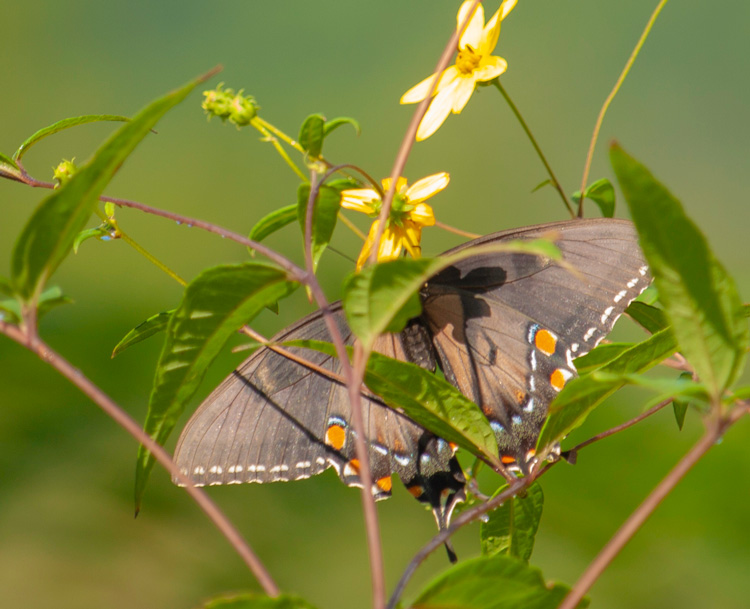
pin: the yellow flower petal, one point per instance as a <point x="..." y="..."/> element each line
<point x="490" y="35"/>
<point x="462" y="93"/>
<point x="422" y="215"/>
<point x="391" y="244"/>
<point x="492" y="29"/>
<point x="438" y="111"/>
<point x="427" y="187"/>
<point x="359" y="199"/>
<point x="491" y="67"/>
<point x="367" y="247"/>
<point x="506" y="7"/>
<point x="419" y="91"/>
<point x="472" y="35"/>
<point x="412" y="238"/>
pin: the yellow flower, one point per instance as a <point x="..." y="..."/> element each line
<point x="409" y="213"/>
<point x="474" y="64"/>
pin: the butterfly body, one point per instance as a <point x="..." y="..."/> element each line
<point x="504" y="328"/>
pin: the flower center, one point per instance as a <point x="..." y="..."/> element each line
<point x="467" y="60"/>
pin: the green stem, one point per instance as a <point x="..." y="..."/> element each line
<point x="532" y="139"/>
<point x="611" y="96"/>
<point x="138" y="248"/>
<point x="271" y="134"/>
<point x="150" y="257"/>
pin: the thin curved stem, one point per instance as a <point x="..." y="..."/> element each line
<point x="622" y="426"/>
<point x="610" y="97"/>
<point x="72" y="374"/>
<point x="553" y="179"/>
<point x="456" y="231"/>
<point x="649" y="505"/>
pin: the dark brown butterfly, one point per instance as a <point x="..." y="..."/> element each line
<point x="503" y="327"/>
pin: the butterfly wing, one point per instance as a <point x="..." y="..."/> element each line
<point x="507" y="326"/>
<point x="274" y="419"/>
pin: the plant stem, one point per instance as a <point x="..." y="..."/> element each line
<point x="72" y="374"/>
<point x="269" y="131"/>
<point x="610" y="97"/>
<point x="532" y="139"/>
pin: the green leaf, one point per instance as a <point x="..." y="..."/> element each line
<point x="680" y="406"/>
<point x="603" y="354"/>
<point x="334" y="124"/>
<point x="651" y="318"/>
<point x="6" y="287"/>
<point x="65" y="123"/>
<point x="699" y="296"/>
<point x="48" y="300"/>
<point x="214" y="306"/>
<point x="511" y="528"/>
<point x="542" y="184"/>
<point x="272" y="222"/>
<point x="494" y="582"/>
<point x="153" y="325"/>
<point x="49" y="235"/>
<point x="10" y="311"/>
<point x="602" y="193"/>
<point x="257" y="601"/>
<point x="325" y="214"/>
<point x="9" y="169"/>
<point x="427" y="399"/>
<point x="383" y="297"/>
<point x="311" y="134"/>
<point x="741" y="393"/>
<point x="581" y="395"/>
<point x="100" y="232"/>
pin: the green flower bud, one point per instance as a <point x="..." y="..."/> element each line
<point x="63" y="172"/>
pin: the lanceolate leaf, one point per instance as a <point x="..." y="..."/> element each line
<point x="511" y="528"/>
<point x="49" y="234"/>
<point x="603" y="354"/>
<point x="65" y="123"/>
<point x="383" y="298"/>
<point x="699" y="296"/>
<point x="215" y="305"/>
<point x="335" y="123"/>
<point x="648" y="316"/>
<point x="153" y="325"/>
<point x="311" y="134"/>
<point x="427" y="399"/>
<point x="6" y="287"/>
<point x="495" y="582"/>
<point x="325" y="213"/>
<point x="10" y="310"/>
<point x="602" y="193"/>
<point x="581" y="395"/>
<point x="272" y="222"/>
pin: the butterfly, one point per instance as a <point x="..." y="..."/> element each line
<point x="504" y="328"/>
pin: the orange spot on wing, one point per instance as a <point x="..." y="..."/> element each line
<point x="507" y="459"/>
<point x="416" y="491"/>
<point x="454" y="447"/>
<point x="385" y="483"/>
<point x="520" y="396"/>
<point x="557" y="379"/>
<point x="545" y="341"/>
<point x="335" y="437"/>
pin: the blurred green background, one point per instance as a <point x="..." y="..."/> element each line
<point x="67" y="534"/>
